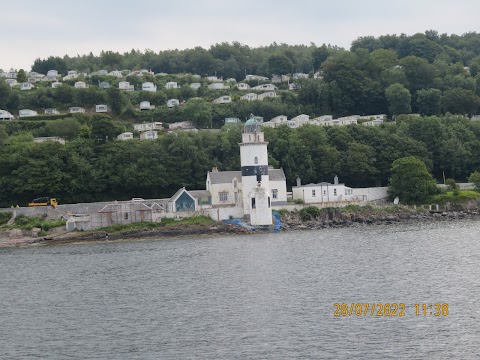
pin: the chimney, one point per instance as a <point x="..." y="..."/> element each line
<point x="335" y="180"/>
<point x="299" y="182"/>
<point x="214" y="169"/>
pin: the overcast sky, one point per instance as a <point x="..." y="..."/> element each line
<point x="33" y="29"/>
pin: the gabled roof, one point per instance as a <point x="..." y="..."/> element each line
<point x="222" y="177"/>
<point x="200" y="193"/>
<point x="180" y="192"/>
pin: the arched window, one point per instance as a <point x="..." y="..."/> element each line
<point x="256" y="160"/>
<point x="235" y="183"/>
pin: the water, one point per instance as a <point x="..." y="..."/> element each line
<point x="245" y="297"/>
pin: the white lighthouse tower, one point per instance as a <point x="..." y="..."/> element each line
<point x="255" y="179"/>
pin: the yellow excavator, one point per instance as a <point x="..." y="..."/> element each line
<point x="44" y="201"/>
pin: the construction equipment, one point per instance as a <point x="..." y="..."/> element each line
<point x="43" y="201"/>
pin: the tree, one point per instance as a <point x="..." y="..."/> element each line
<point x="21" y="76"/>
<point x="279" y="64"/>
<point x="475" y="179"/>
<point x="199" y="112"/>
<point x="115" y="100"/>
<point x="428" y="101"/>
<point x="460" y="101"/>
<point x="103" y="128"/>
<point x="398" y="98"/>
<point x="411" y="181"/>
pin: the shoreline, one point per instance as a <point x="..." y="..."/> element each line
<point x="291" y="222"/>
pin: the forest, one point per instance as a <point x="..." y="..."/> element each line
<point x="429" y="83"/>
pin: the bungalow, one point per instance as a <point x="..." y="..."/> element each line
<point x="40" y="140"/>
<point x="11" y="82"/>
<point x="373" y="117"/>
<point x="80" y="85"/>
<point x="26" y="112"/>
<point x="115" y="73"/>
<point x="171" y="85"/>
<point x="52" y="73"/>
<point x="195" y="86"/>
<point x="56" y="84"/>
<point x="223" y="100"/>
<point x="373" y="122"/>
<point x="51" y="111"/>
<point x="232" y="120"/>
<point x="268" y="94"/>
<point x="298" y="121"/>
<point x="5" y="115"/>
<point x="145" y="105"/>
<point x="149" y="86"/>
<point x="349" y="120"/>
<point x="181" y="125"/>
<point x="157" y="125"/>
<point x="265" y="87"/>
<point x="218" y="86"/>
<point x="76" y="110"/>
<point x="256" y="77"/>
<point x="214" y="79"/>
<point x="101" y="108"/>
<point x="297" y="76"/>
<point x="172" y="103"/>
<point x="243" y="86"/>
<point x="72" y="74"/>
<point x="26" y="86"/>
<point x="125" y="136"/>
<point x="102" y="72"/>
<point x="11" y="74"/>
<point x="231" y="80"/>
<point x="249" y="97"/>
<point x="323" y="192"/>
<point x="276" y="121"/>
<point x="149" y="135"/>
<point x="125" y="85"/>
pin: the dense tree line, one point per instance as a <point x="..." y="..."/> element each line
<point x="92" y="166"/>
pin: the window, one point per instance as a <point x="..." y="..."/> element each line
<point x="324" y="192"/>
<point x="235" y="196"/>
<point x="313" y="193"/>
<point x="275" y="193"/>
<point x="253" y="203"/>
<point x="235" y="183"/>
<point x="223" y="196"/>
<point x="126" y="216"/>
<point x="255" y="160"/>
<point x="335" y="192"/>
<point x="269" y="205"/>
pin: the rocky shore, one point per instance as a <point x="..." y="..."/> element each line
<point x="306" y="219"/>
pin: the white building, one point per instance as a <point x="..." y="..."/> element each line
<point x="171" y="85"/>
<point x="172" y="103"/>
<point x="243" y="86"/>
<point x="195" y="86"/>
<point x="40" y="140"/>
<point x="181" y="125"/>
<point x="26" y="86"/>
<point x="80" y="85"/>
<point x="232" y="120"/>
<point x="51" y="111"/>
<point x="26" y="112"/>
<point x="5" y="115"/>
<point x="125" y="136"/>
<point x="223" y="100"/>
<point x="101" y="108"/>
<point x="276" y="121"/>
<point x="249" y="97"/>
<point x="265" y="87"/>
<point x="76" y="110"/>
<point x="149" y="86"/>
<point x="323" y="192"/>
<point x="145" y="105"/>
<point x="373" y="122"/>
<point x="256" y="77"/>
<point x="56" y="84"/>
<point x="149" y="135"/>
<point x="218" y="86"/>
<point x="125" y="85"/>
<point x="148" y="126"/>
<point x="268" y="94"/>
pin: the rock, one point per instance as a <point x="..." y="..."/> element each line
<point x="35" y="232"/>
<point x="15" y="234"/>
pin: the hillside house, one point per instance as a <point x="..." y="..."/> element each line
<point x="5" y="115"/>
<point x="232" y="120"/>
<point x="149" y="135"/>
<point x="172" y="103"/>
<point x="249" y="97"/>
<point x="125" y="136"/>
<point x="76" y="110"/>
<point x="103" y="85"/>
<point x="51" y="111"/>
<point x="26" y="86"/>
<point x="101" y="108"/>
<point x="195" y="86"/>
<point x="115" y="73"/>
<point x="171" y="85"/>
<point x="80" y="85"/>
<point x="157" y="125"/>
<point x="145" y="105"/>
<point x="26" y="112"/>
<point x="11" y="82"/>
<point x="125" y="86"/>
<point x="181" y="125"/>
<point x="149" y="86"/>
<point x="40" y="140"/>
<point x="56" y="84"/>
<point x="243" y="86"/>
<point x="268" y="94"/>
<point x="256" y="78"/>
<point x="223" y="100"/>
<point x="265" y="87"/>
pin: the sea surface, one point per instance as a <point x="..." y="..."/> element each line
<point x="264" y="296"/>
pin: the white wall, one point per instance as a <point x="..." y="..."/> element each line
<point x="370" y="194"/>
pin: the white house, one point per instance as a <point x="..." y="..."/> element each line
<point x="297" y="76"/>
<point x="56" y="84"/>
<point x="373" y="117"/>
<point x="268" y="94"/>
<point x="125" y="85"/>
<point x="195" y="86"/>
<point x="373" y="122"/>
<point x="12" y="74"/>
<point x="171" y="85"/>
<point x="298" y="121"/>
<point x="323" y="192"/>
<point x="249" y="97"/>
<point x="265" y="87"/>
<point x="5" y="115"/>
<point x="149" y="86"/>
<point x="102" y="72"/>
<point x="276" y="121"/>
<point x="148" y="126"/>
<point x="71" y="75"/>
<point x="256" y="77"/>
<point x="218" y="86"/>
<point x="145" y="105"/>
<point x="103" y="85"/>
<point x="40" y="140"/>
<point x="101" y="108"/>
<point x="214" y="79"/>
<point x="80" y="85"/>
<point x="172" y="103"/>
<point x="232" y="120"/>
<point x="125" y="136"/>
<point x="223" y="100"/>
<point x="181" y="125"/>
<point x="243" y="86"/>
<point x="52" y="73"/>
<point x="149" y="135"/>
<point x="51" y="111"/>
<point x="76" y="110"/>
<point x="26" y="86"/>
<point x="11" y="82"/>
<point x="115" y="73"/>
<point x="26" y="112"/>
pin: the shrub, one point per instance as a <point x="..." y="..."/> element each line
<point x="309" y="212"/>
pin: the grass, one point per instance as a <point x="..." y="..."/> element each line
<point x="166" y="223"/>
<point x="4" y="217"/>
<point x="449" y="196"/>
<point x="28" y="223"/>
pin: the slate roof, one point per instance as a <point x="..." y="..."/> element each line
<point x="222" y="177"/>
<point x="200" y="193"/>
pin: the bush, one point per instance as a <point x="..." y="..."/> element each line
<point x="4" y="217"/>
<point x="309" y="213"/>
<point x="475" y="179"/>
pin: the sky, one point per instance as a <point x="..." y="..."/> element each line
<point x="33" y="29"/>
